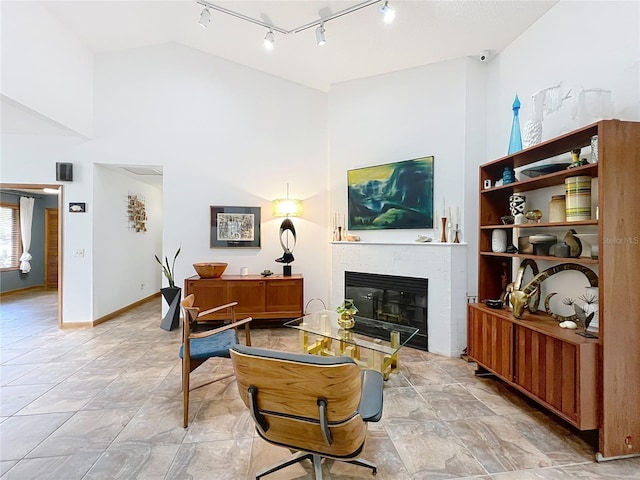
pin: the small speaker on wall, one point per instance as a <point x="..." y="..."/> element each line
<point x="64" y="172"/>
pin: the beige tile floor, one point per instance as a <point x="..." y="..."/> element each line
<point x="105" y="403"/>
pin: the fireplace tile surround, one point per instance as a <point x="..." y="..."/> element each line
<point x="443" y="264"/>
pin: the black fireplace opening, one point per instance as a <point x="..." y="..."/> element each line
<point x="390" y="298"/>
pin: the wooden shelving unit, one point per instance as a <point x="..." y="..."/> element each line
<point x="592" y="384"/>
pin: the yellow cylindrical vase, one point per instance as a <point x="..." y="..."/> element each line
<point x="578" y="198"/>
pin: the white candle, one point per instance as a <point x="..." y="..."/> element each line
<point x="325" y="324"/>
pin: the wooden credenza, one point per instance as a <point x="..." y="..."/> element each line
<point x="553" y="366"/>
<point x="263" y="298"/>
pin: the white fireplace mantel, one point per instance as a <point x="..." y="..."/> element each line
<point x="443" y="264"/>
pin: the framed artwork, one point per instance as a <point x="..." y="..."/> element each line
<point x="233" y="227"/>
<point x="393" y="195"/>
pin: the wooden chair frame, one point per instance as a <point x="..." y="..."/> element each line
<point x="317" y="406"/>
<point x="191" y="316"/>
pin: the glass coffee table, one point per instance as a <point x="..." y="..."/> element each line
<point x="379" y="354"/>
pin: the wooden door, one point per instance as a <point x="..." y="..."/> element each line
<point x="51" y="248"/>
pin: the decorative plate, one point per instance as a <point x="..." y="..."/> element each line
<point x="545" y="169"/>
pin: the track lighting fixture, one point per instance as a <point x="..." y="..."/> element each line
<point x="269" y="40"/>
<point x="320" y="35"/>
<point x="388" y="13"/>
<point x="205" y="17"/>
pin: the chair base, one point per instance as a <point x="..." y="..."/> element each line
<point x="317" y="467"/>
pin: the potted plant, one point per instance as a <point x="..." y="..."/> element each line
<point x="171" y="294"/>
<point x="346" y="314"/>
<point x="169" y="270"/>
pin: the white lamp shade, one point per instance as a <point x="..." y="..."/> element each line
<point x="287" y="207"/>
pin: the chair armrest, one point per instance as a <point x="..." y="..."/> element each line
<point x="217" y="309"/>
<point x="208" y="333"/>
<point x="370" y="407"/>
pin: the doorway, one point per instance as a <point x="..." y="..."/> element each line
<point x="52" y="233"/>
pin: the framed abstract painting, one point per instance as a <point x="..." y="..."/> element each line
<point x="233" y="227"/>
<point x="393" y="195"/>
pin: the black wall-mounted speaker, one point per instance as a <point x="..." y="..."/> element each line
<point x="64" y="172"/>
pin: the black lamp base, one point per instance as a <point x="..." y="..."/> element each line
<point x="286" y="271"/>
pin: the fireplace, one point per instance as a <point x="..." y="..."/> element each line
<point x="390" y="298"/>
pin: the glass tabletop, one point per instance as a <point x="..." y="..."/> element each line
<point x="325" y="324"/>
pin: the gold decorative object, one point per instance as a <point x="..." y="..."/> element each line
<point x="346" y="314"/>
<point x="137" y="213"/>
<point x="533" y="216"/>
<point x="520" y="299"/>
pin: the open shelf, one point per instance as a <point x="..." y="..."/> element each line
<point x="548" y="180"/>
<point x="580" y="260"/>
<point x="581" y="223"/>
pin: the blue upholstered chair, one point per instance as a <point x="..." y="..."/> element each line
<point x="318" y="406"/>
<point x="198" y="346"/>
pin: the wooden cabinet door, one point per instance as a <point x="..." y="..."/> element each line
<point x="250" y="295"/>
<point x="558" y="373"/>
<point x="208" y="294"/>
<point x="284" y="296"/>
<point x="490" y="339"/>
<point x="546" y="367"/>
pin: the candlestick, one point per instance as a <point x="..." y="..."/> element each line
<point x="443" y="238"/>
<point x="456" y="238"/>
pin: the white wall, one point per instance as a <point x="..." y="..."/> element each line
<point x="228" y="135"/>
<point x="32" y="159"/>
<point x="123" y="257"/>
<point x="225" y="135"/>
<point x="45" y="68"/>
<point x="407" y="114"/>
<point x="581" y="44"/>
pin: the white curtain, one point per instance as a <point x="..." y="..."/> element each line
<point x="26" y="217"/>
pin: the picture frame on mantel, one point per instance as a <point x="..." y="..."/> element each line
<point x="235" y="227"/>
<point x="393" y="195"/>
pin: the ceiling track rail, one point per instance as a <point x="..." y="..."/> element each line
<point x="284" y="31"/>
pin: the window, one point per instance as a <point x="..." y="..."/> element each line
<point x="10" y="245"/>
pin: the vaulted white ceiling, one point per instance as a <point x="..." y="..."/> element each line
<point x="358" y="44"/>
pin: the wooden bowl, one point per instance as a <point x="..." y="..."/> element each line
<point x="210" y="269"/>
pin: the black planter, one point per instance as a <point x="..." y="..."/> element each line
<point x="172" y="319"/>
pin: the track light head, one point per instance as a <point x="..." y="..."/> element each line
<point x="388" y="13"/>
<point x="269" y="40"/>
<point x="320" y="35"/>
<point x="205" y="17"/>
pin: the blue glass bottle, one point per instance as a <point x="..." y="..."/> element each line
<point x="515" y="141"/>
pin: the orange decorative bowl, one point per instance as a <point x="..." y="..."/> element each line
<point x="210" y="269"/>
